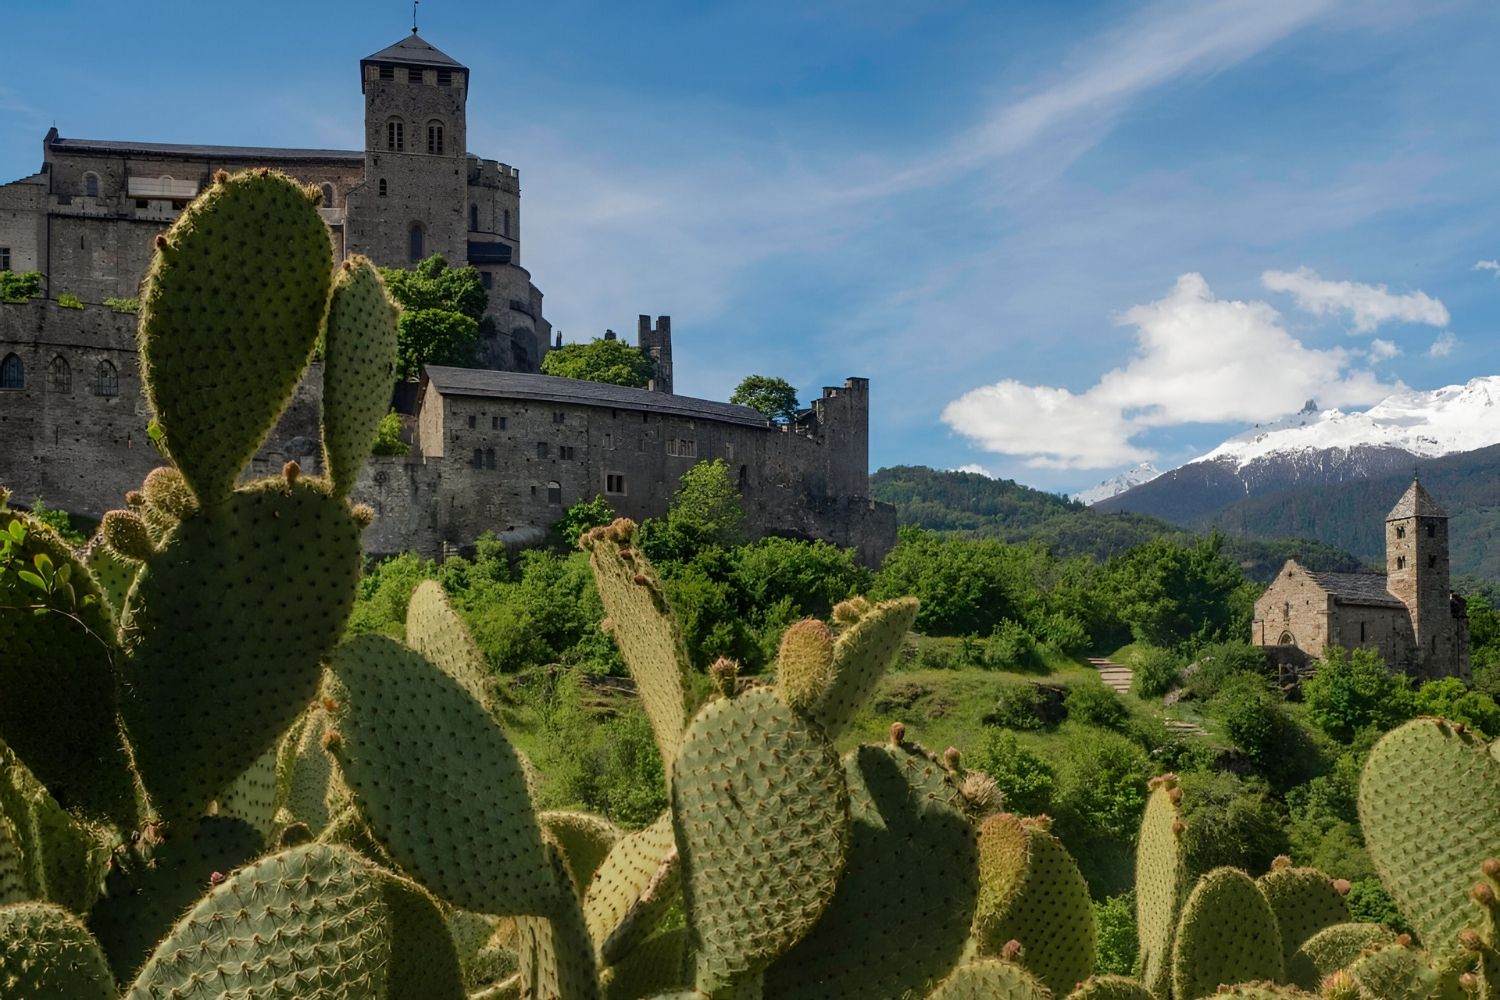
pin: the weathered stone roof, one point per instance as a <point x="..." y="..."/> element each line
<point x="414" y="50"/>
<point x="1356" y="588"/>
<point x="1415" y="502"/>
<point x="258" y="154"/>
<point x="516" y="385"/>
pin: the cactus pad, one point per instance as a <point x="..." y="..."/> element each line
<point x="359" y="369"/>
<point x="1227" y="934"/>
<point x="47" y="954"/>
<point x="1333" y="948"/>
<point x="1394" y="972"/>
<point x="309" y="788"/>
<point x="634" y="886"/>
<point x="434" y="630"/>
<point x="1429" y="806"/>
<point x="556" y="957"/>
<point x="861" y="656"/>
<point x="584" y="840"/>
<point x="660" y="963"/>
<point x="437" y="779"/>
<point x="252" y="796"/>
<point x="59" y="859"/>
<point x="901" y="914"/>
<point x="1305" y="901"/>
<point x="761" y="812"/>
<point x="1110" y="988"/>
<point x="230" y="312"/>
<point x="1030" y="890"/>
<point x="310" y="921"/>
<point x="12" y="865"/>
<point x="804" y="665"/>
<point x="274" y="570"/>
<point x="1161" y="883"/>
<point x="991" y="979"/>
<point x="424" y="963"/>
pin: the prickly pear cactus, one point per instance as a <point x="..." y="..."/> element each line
<point x="584" y="841"/>
<point x="862" y="654"/>
<point x="1227" y="934"/>
<point x="636" y="883"/>
<point x="360" y="348"/>
<point x="991" y="979"/>
<point x="1110" y="988"/>
<point x="1161" y="882"/>
<point x="1333" y="948"/>
<point x="434" y="630"/>
<point x="1304" y="900"/>
<point x="57" y="858"/>
<point x="47" y="954"/>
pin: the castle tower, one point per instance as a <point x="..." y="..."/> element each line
<point x="1417" y="573"/>
<point x="657" y="342"/>
<point x="413" y="199"/>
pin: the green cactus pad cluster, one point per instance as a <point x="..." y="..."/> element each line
<point x="632" y="889"/>
<point x="1394" y="972"/>
<point x="360" y="367"/>
<point x="991" y="979"/>
<point x="274" y="568"/>
<point x="424" y="961"/>
<point x="1030" y="890"/>
<point x="584" y="840"/>
<point x="434" y="630"/>
<point x="861" y="655"/>
<point x="1110" y="988"/>
<point x="311" y="921"/>
<point x="650" y="641"/>
<point x="1429" y="806"/>
<point x="47" y="954"/>
<point x="59" y="859"/>
<point x="309" y="788"/>
<point x="1227" y="934"/>
<point x="804" y="665"/>
<point x="1304" y="900"/>
<point x="1334" y="948"/>
<point x="144" y="895"/>
<point x="1161" y="882"/>
<point x="556" y="957"/>
<point x="902" y="910"/>
<point x="230" y="313"/>
<point x="59" y="665"/>
<point x="761" y="812"/>
<point x="437" y="779"/>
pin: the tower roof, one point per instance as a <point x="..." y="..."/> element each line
<point x="414" y="50"/>
<point x="1415" y="502"/>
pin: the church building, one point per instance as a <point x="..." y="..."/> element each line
<point x="1409" y="614"/>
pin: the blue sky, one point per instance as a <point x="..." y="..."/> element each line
<point x="1059" y="237"/>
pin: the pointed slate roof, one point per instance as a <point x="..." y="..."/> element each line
<point x="1415" y="502"/>
<point x="414" y="50"/>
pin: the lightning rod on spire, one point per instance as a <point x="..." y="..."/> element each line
<point x="414" y="15"/>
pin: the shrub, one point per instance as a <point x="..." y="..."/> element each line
<point x="1025" y="779"/>
<point x="1219" y="663"/>
<point x="1252" y="717"/>
<point x="1064" y="633"/>
<point x="384" y="592"/>
<point x="388" y="437"/>
<point x="1093" y="703"/>
<point x="1010" y="647"/>
<point x="20" y="286"/>
<point x="1451" y="699"/>
<point x="1019" y="705"/>
<point x="68" y="300"/>
<point x="59" y="521"/>
<point x="1155" y="672"/>
<point x="1230" y="821"/>
<point x="1369" y="902"/>
<point x="1115" y="943"/>
<point x="129" y="306"/>
<point x="580" y="517"/>
<point x="1101" y="783"/>
<point x="1351" y="691"/>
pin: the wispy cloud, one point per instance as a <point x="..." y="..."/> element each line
<point x="1488" y="265"/>
<point x="1382" y="350"/>
<point x="1368" y="305"/>
<point x="1442" y="345"/>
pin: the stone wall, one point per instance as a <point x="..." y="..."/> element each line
<point x="1417" y="565"/>
<point x="1293" y="604"/>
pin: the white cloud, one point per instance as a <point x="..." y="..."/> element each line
<point x="1368" y="305"/>
<point x="1443" y="345"/>
<point x="1382" y="350"/>
<point x="1198" y="359"/>
<point x="1488" y="265"/>
<point x="977" y="469"/>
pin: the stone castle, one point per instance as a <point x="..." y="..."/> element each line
<point x="500" y="448"/>
<point x="1410" y="615"/>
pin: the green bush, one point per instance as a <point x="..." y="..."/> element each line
<point x="580" y="517"/>
<point x="1155" y="672"/>
<point x="1369" y="902"/>
<point x="1230" y="821"/>
<point x="68" y="300"/>
<point x="813" y="575"/>
<point x="1486" y="667"/>
<point x="59" y="521"/>
<point x="388" y="437"/>
<point x="1115" y="941"/>
<point x="1091" y="702"/>
<point x="384" y="592"/>
<point x="129" y="306"/>
<point x="18" y="287"/>
<point x="1450" y="698"/>
<point x="1219" y="663"/>
<point x="1351" y="691"/>
<point x="1025" y="780"/>
<point x="1018" y="705"/>
<point x="1252" y="717"/>
<point x="1010" y="647"/>
<point x="1064" y="632"/>
<point x="1101" y="783"/>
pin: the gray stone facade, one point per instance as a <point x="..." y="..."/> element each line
<point x="1409" y="615"/>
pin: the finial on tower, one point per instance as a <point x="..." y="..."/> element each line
<point x="414" y="15"/>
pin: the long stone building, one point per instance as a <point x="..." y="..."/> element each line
<point x="1409" y="615"/>
<point x="501" y="449"/>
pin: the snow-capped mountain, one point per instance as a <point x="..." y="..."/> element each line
<point x="1115" y="485"/>
<point x="1318" y="447"/>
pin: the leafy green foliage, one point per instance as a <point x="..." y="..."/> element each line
<point x="388" y="437"/>
<point x="601" y="360"/>
<point x="706" y="510"/>
<point x="776" y="398"/>
<point x="580" y="517"/>
<point x="1115" y="941"/>
<point x="441" y="309"/>
<point x="129" y="306"/>
<point x="1093" y="703"/>
<point x="20" y="286"/>
<point x="1450" y="698"/>
<point x="59" y="521"/>
<point x="67" y="300"/>
<point x="1230" y="821"/>
<point x="1350" y="691"/>
<point x="1181" y="596"/>
<point x="1221" y="663"/>
<point x="1019" y="705"/>
<point x="1155" y="672"/>
<point x="1025" y="779"/>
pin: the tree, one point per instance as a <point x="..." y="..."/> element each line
<point x="1351" y="690"/>
<point x="441" y="311"/>
<point x="1181" y="596"/>
<point x="774" y="397"/>
<point x="708" y="502"/>
<point x="600" y="360"/>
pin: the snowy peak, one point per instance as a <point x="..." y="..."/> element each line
<point x="1442" y="421"/>
<point x="1129" y="479"/>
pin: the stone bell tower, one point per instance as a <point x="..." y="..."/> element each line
<point x="1417" y="573"/>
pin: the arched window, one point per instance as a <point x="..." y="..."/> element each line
<point x="1400" y="562"/>
<point x="12" y="373"/>
<point x="417" y="243"/>
<point x="91" y="184"/>
<point x="554" y="492"/>
<point x="382" y="187"/>
<point x="107" y="382"/>
<point x="327" y="195"/>
<point x="1287" y="639"/>
<point x="505" y="225"/>
<point x="473" y="218"/>
<point x="434" y="136"/>
<point x="489" y="458"/>
<point x="395" y="135"/>
<point x="62" y="375"/>
<point x="1400" y="531"/>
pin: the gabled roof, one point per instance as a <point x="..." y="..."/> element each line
<point x="1415" y="502"/>
<point x="1356" y="588"/>
<point x="516" y="385"/>
<point x="255" y="154"/>
<point x="414" y="50"/>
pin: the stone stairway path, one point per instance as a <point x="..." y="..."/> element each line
<point x="1118" y="676"/>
